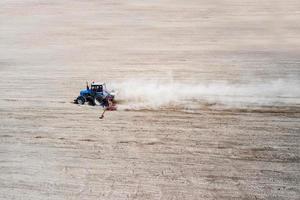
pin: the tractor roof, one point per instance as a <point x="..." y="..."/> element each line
<point x="97" y="83"/>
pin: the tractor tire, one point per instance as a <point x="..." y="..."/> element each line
<point x="90" y="100"/>
<point x="98" y="100"/>
<point x="80" y="100"/>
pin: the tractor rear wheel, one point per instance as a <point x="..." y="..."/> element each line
<point x="80" y="100"/>
<point x="98" y="100"/>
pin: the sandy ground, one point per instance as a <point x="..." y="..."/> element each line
<point x="53" y="149"/>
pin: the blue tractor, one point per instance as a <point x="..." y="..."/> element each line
<point x="96" y="94"/>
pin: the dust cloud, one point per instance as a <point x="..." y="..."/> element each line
<point x="154" y="94"/>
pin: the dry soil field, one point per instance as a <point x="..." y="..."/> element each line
<point x="209" y="99"/>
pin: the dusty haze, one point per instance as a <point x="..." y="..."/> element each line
<point x="208" y="92"/>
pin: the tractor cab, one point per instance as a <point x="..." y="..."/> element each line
<point x="98" y="87"/>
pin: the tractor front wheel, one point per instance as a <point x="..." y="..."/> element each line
<point x="80" y="100"/>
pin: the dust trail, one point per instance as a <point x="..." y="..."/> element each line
<point x="154" y="94"/>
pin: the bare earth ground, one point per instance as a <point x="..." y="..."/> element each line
<point x="52" y="149"/>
